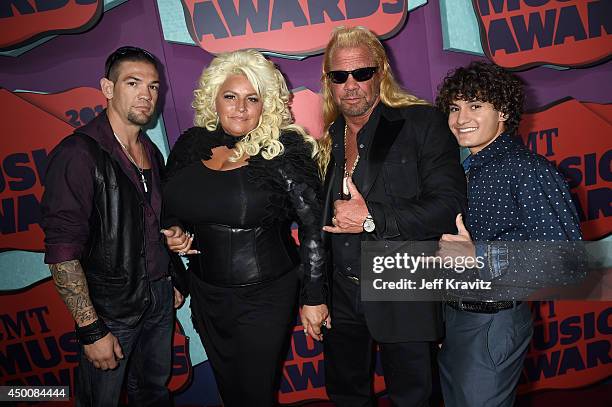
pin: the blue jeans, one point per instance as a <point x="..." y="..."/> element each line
<point x="147" y="352"/>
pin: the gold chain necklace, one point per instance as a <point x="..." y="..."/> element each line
<point x="347" y="173"/>
<point x="138" y="167"/>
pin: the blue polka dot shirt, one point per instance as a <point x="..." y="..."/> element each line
<point x="516" y="195"/>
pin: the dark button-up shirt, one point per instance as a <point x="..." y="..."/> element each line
<point x="68" y="200"/>
<point x="347" y="246"/>
<point x="516" y="195"/>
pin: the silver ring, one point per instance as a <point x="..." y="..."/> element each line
<point x="333" y="220"/>
<point x="324" y="323"/>
<point x="182" y="254"/>
<point x="305" y="331"/>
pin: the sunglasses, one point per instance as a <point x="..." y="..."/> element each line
<point x="127" y="52"/>
<point x="360" y="75"/>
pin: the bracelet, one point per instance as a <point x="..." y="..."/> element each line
<point x="88" y="334"/>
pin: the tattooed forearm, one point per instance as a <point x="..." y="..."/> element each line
<point x="71" y="284"/>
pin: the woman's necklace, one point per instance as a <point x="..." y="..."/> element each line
<point x="347" y="173"/>
<point x="138" y="167"/>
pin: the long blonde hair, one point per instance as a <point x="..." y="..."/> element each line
<point x="270" y="86"/>
<point x="391" y="93"/>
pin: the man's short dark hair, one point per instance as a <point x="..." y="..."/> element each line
<point x="127" y="53"/>
<point x="484" y="82"/>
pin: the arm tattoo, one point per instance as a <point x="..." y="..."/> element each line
<point x="71" y="285"/>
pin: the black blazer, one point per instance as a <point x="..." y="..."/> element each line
<point x="414" y="187"/>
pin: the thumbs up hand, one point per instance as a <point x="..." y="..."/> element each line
<point x="458" y="245"/>
<point x="349" y="215"/>
<point x="462" y="234"/>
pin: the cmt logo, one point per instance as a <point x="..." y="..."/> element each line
<point x="289" y="27"/>
<point x="519" y="34"/>
<point x="570" y="346"/>
<point x="33" y="124"/>
<point x="575" y="136"/>
<point x="25" y="21"/>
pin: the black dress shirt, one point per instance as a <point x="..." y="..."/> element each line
<point x="347" y="246"/>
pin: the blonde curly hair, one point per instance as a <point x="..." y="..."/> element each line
<point x="270" y="86"/>
<point x="391" y="93"/>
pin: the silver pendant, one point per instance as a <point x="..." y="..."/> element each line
<point x="144" y="182"/>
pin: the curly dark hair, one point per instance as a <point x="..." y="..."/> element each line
<point x="484" y="82"/>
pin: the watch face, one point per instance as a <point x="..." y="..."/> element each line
<point x="369" y="225"/>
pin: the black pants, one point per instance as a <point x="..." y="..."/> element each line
<point x="245" y="331"/>
<point x="349" y="361"/>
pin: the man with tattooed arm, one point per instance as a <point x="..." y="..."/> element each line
<point x="101" y="210"/>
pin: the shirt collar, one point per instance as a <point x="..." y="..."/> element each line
<point x="466" y="163"/>
<point x="498" y="148"/>
<point x="336" y="129"/>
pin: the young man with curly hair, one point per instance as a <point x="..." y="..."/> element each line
<point x="513" y="195"/>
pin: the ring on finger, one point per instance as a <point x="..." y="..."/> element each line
<point x="324" y="323"/>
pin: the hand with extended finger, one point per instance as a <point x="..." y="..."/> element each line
<point x="179" y="241"/>
<point x="349" y="215"/>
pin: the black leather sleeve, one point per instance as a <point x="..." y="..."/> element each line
<point x="301" y="182"/>
<point x="179" y="274"/>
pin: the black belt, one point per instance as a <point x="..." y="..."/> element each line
<point x="483" y="307"/>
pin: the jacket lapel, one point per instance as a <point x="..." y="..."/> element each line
<point x="333" y="175"/>
<point x="386" y="133"/>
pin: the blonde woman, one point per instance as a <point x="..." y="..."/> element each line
<point x="236" y="182"/>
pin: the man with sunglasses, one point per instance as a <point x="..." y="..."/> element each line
<point x="101" y="210"/>
<point x="392" y="173"/>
